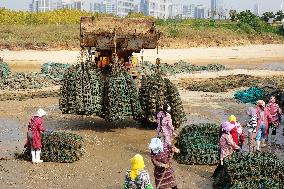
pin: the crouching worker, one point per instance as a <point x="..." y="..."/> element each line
<point x="137" y="177"/>
<point x="161" y="156"/>
<point x="35" y="128"/>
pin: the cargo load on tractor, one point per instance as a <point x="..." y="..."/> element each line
<point x="106" y="82"/>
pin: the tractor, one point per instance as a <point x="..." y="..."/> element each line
<point x="113" y="42"/>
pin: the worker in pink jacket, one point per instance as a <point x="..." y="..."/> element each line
<point x="226" y="143"/>
<point x="165" y="129"/>
<point x="263" y="118"/>
<point x="35" y="128"/>
<point x="275" y="112"/>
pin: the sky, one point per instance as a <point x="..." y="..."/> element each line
<point x="264" y="5"/>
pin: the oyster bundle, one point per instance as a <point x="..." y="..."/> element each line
<point x="134" y="97"/>
<point x="85" y="91"/>
<point x="81" y="91"/>
<point x="182" y="67"/>
<point x="247" y="169"/>
<point x="54" y="70"/>
<point x="117" y="104"/>
<point x="174" y="100"/>
<point x="152" y="96"/>
<point x="156" y="91"/>
<point x="198" y="144"/>
<point x="25" y="95"/>
<point x="60" y="147"/>
<point x="256" y="183"/>
<point x="120" y="97"/>
<point x="25" y="81"/>
<point x="222" y="83"/>
<point x="4" y="71"/>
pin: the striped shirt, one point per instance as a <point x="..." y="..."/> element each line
<point x="252" y="124"/>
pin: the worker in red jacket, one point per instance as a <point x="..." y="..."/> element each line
<point x="234" y="131"/>
<point x="35" y="129"/>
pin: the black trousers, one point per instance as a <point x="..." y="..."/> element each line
<point x="270" y="126"/>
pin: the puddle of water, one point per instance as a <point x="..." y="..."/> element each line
<point x="11" y="138"/>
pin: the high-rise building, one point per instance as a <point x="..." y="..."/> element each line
<point x="256" y="10"/>
<point x="176" y="11"/>
<point x="216" y="8"/>
<point x="123" y="7"/>
<point x="45" y="5"/>
<point x="97" y="7"/>
<point x="57" y="4"/>
<point x="34" y="6"/>
<point x="200" y="11"/>
<point x="144" y="7"/>
<point x="41" y="5"/>
<point x="48" y="5"/>
<point x="91" y="7"/>
<point x="188" y="11"/>
<point x="110" y="6"/>
<point x="66" y="4"/>
<point x="136" y="7"/>
<point x="78" y="4"/>
<point x="157" y="8"/>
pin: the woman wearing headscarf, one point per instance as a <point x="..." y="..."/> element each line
<point x="165" y="129"/>
<point x="251" y="124"/>
<point x="234" y="132"/>
<point x="137" y="177"/>
<point x="263" y="118"/>
<point x="226" y="143"/>
<point x="161" y="156"/>
<point x="35" y="128"/>
<point x="275" y="112"/>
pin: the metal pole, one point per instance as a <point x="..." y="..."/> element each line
<point x="158" y="59"/>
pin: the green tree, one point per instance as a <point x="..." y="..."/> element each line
<point x="265" y="16"/>
<point x="248" y="18"/>
<point x="233" y="15"/>
<point x="279" y="15"/>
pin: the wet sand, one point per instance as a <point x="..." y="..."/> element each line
<point x="108" y="147"/>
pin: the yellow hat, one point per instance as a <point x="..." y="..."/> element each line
<point x="137" y="164"/>
<point x="232" y="118"/>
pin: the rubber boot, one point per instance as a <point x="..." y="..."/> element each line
<point x="38" y="160"/>
<point x="258" y="145"/>
<point x="33" y="156"/>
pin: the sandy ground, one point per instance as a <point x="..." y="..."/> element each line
<point x="251" y="53"/>
<point x="109" y="147"/>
